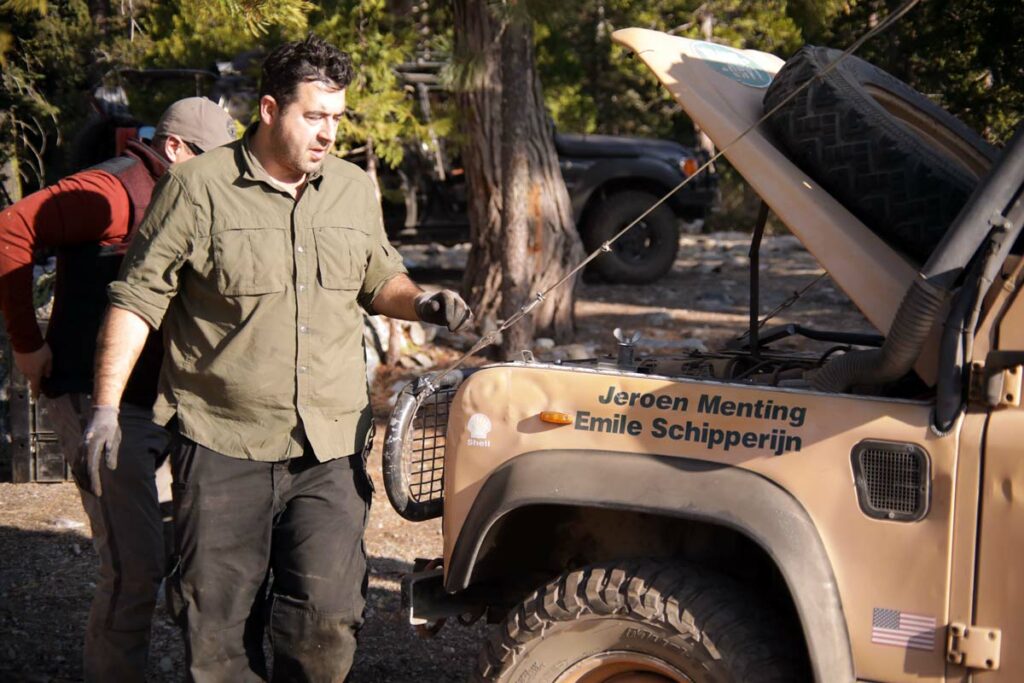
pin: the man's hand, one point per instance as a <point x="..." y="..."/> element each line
<point x="35" y="365"/>
<point x="100" y="442"/>
<point x="443" y="308"/>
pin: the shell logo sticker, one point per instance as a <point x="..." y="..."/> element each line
<point x="479" y="427"/>
<point x="733" y="64"/>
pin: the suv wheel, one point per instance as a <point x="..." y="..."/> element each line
<point x="643" y="254"/>
<point x="641" y="622"/>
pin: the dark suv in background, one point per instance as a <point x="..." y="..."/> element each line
<point x="611" y="180"/>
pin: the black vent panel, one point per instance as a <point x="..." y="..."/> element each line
<point x="893" y="480"/>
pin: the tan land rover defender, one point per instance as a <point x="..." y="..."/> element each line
<point x="753" y="514"/>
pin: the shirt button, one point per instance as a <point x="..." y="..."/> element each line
<point x="300" y="249"/>
<point x="302" y="369"/>
<point x="302" y="288"/>
<point x="303" y="329"/>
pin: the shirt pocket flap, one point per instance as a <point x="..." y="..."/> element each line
<point x="251" y="261"/>
<point x="341" y="255"/>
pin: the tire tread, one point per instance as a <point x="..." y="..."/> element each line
<point x="885" y="174"/>
<point x="710" y="610"/>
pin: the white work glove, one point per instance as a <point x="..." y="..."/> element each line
<point x="100" y="442"/>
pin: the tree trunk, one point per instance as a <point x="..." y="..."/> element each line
<point x="552" y="245"/>
<point x="99" y="10"/>
<point x="9" y="181"/>
<point x="707" y="23"/>
<point x="371" y="168"/>
<point x="515" y="271"/>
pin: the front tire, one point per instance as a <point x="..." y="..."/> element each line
<point x="643" y="254"/>
<point x="642" y="622"/>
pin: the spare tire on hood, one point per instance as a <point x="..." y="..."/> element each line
<point x="900" y="163"/>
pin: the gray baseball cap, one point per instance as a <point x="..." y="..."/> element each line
<point x="198" y="120"/>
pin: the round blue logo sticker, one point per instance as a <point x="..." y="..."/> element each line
<point x="733" y="64"/>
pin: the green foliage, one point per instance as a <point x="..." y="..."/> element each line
<point x="26" y="119"/>
<point x="195" y="33"/>
<point x="966" y="54"/>
<point x="765" y="25"/>
<point x="55" y="53"/>
<point x="593" y="85"/>
<point x="378" y="107"/>
<point x="30" y="95"/>
<point x="23" y="7"/>
<point x="259" y="15"/>
<point x="6" y="44"/>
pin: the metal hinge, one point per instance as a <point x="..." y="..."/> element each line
<point x="996" y="387"/>
<point x="1003" y="387"/>
<point x="974" y="647"/>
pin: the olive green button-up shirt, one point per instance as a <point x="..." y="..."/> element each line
<point x="261" y="295"/>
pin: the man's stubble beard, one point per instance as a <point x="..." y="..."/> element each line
<point x="306" y="166"/>
<point x="294" y="158"/>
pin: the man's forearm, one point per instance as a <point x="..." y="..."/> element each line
<point x="119" y="344"/>
<point x="397" y="298"/>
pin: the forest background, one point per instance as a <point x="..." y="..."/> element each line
<point x="505" y="66"/>
<point x="53" y="54"/>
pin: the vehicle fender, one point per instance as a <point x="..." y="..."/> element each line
<point x="679" y="487"/>
<point x="601" y="173"/>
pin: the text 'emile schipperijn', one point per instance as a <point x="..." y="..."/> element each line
<point x="700" y="429"/>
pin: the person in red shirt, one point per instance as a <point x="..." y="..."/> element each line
<point x="89" y="218"/>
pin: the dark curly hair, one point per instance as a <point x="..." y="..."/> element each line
<point x="303" y="61"/>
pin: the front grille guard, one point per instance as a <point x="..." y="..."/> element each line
<point x="414" y="447"/>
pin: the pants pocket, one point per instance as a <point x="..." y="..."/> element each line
<point x="183" y="462"/>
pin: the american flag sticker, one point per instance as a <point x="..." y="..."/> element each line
<point x="902" y="629"/>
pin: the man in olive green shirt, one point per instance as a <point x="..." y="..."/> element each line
<point x="257" y="258"/>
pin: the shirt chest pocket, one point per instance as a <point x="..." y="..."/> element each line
<point x="251" y="261"/>
<point x="341" y="255"/>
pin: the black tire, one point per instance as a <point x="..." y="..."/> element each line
<point x="897" y="161"/>
<point x="678" y="622"/>
<point x="643" y="254"/>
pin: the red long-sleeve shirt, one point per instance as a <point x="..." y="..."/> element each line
<point x="88" y="207"/>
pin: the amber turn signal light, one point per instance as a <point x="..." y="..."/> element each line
<point x="556" y="418"/>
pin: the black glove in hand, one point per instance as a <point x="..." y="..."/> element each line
<point x="443" y="308"/>
<point x="100" y="441"/>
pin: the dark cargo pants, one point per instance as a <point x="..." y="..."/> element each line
<point x="128" y="535"/>
<point x="298" y="523"/>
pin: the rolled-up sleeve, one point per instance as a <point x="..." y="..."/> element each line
<point x="149" y="274"/>
<point x="383" y="263"/>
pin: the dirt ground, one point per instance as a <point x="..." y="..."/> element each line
<point x="47" y="563"/>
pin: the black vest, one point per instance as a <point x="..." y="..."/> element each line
<point x="80" y="301"/>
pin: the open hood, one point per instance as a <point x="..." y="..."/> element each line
<point x="722" y="89"/>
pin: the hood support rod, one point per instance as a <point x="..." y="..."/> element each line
<point x="755" y="281"/>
